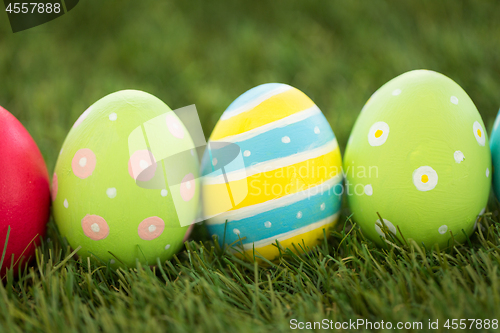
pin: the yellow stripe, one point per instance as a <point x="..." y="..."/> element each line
<point x="272" y="109"/>
<point x="277" y="183"/>
<point x="271" y="252"/>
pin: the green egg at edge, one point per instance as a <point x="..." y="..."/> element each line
<point x="110" y="194"/>
<point x="418" y="156"/>
<point x="495" y="155"/>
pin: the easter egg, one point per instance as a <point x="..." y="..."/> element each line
<point x="418" y="158"/>
<point x="25" y="192"/>
<point x="119" y="193"/>
<point x="495" y="155"/>
<point x="288" y="186"/>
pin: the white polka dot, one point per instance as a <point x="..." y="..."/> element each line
<point x="425" y="178"/>
<point x="236" y="231"/>
<point x="454" y="100"/>
<point x="152" y="228"/>
<point x="247" y="153"/>
<point x="113" y="116"/>
<point x="167" y="246"/>
<point x="95" y="227"/>
<point x="316" y="130"/>
<point x="487" y="172"/>
<point x="214" y="161"/>
<point x="322" y="207"/>
<point x="111" y="261"/>
<point x="60" y="151"/>
<point x="396" y="92"/>
<point x="479" y="133"/>
<point x="378" y="133"/>
<point x="285" y="139"/>
<point x="143" y="164"/>
<point x="368" y="189"/>
<point x="83" y="162"/>
<point x="459" y="156"/>
<point x="65" y="203"/>
<point x="164" y="193"/>
<point x="188" y="185"/>
<point x="267" y="224"/>
<point x="388" y="224"/>
<point x="111" y="192"/>
<point x="443" y="229"/>
<point x="299" y="215"/>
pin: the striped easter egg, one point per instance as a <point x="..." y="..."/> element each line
<point x="272" y="170"/>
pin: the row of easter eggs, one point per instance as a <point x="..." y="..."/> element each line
<point x="417" y="165"/>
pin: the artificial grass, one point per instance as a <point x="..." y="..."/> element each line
<point x="208" y="53"/>
<point x="208" y="289"/>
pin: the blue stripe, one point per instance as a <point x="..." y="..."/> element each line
<point x="253" y="94"/>
<point x="283" y="219"/>
<point x="268" y="145"/>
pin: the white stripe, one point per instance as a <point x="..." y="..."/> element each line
<point x="287" y="235"/>
<point x="294" y="118"/>
<point x="254" y="102"/>
<point x="271" y="164"/>
<point x="286" y="200"/>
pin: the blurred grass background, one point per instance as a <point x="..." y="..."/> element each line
<point x="208" y="53"/>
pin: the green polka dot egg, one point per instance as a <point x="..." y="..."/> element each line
<point x="418" y="156"/>
<point x="110" y="190"/>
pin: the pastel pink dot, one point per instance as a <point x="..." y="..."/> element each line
<point x="142" y="165"/>
<point x="174" y="126"/>
<point x="187" y="187"/>
<point x="53" y="190"/>
<point x="82" y="117"/>
<point x="83" y="163"/>
<point x="95" y="227"/>
<point x="188" y="232"/>
<point x="151" y="228"/>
